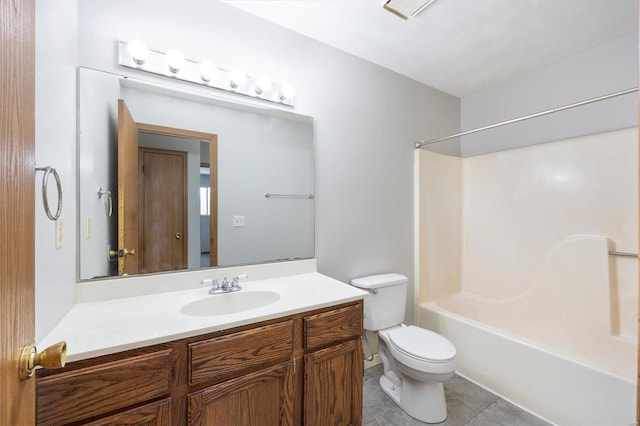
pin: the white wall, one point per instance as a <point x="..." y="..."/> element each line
<point x="366" y="119"/>
<point x="56" y="55"/>
<point x="605" y="69"/>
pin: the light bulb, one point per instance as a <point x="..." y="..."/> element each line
<point x="207" y="71"/>
<point x="287" y="91"/>
<point x="175" y="61"/>
<point x="138" y="50"/>
<point x="263" y="84"/>
<point x="237" y="77"/>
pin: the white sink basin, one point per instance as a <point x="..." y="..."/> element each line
<point x="230" y="303"/>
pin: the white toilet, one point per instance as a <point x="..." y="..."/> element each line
<point x="416" y="361"/>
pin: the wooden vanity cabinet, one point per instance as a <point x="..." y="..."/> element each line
<point x="301" y="369"/>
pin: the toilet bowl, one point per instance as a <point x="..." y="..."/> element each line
<point x="416" y="364"/>
<point x="416" y="361"/>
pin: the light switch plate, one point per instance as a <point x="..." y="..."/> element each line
<point x="88" y="230"/>
<point x="59" y="232"/>
<point x="238" y="221"/>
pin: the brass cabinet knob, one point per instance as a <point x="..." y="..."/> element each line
<point x="55" y="356"/>
<point x="178" y="235"/>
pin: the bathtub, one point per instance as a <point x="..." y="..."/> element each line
<point x="553" y="386"/>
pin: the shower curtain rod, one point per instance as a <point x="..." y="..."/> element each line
<point x="527" y="117"/>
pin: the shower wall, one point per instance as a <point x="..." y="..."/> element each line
<point x="440" y="224"/>
<point x="519" y="240"/>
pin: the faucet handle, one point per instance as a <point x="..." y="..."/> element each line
<point x="237" y="278"/>
<point x="234" y="282"/>
<point x="215" y="286"/>
<point x="212" y="282"/>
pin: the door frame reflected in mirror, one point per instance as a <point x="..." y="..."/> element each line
<point x="212" y="141"/>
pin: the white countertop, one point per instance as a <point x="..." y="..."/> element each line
<point x="105" y="327"/>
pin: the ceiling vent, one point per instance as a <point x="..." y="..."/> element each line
<point x="406" y="8"/>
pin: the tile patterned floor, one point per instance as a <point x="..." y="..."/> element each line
<point x="467" y="404"/>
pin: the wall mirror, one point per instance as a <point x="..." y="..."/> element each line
<point x="171" y="180"/>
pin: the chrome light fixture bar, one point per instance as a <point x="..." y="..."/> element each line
<point x="135" y="54"/>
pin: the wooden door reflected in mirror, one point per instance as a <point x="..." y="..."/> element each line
<point x="154" y="197"/>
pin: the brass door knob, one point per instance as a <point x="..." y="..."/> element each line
<point x="55" y="356"/>
<point x="178" y="235"/>
<point x="122" y="253"/>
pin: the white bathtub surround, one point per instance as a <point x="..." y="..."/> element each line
<point x="524" y="251"/>
<point x="117" y="324"/>
<point x="567" y="309"/>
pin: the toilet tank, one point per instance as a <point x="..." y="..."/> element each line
<point x="384" y="307"/>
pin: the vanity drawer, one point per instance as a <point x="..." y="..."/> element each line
<point x="92" y="391"/>
<point x="236" y="353"/>
<point x="332" y="326"/>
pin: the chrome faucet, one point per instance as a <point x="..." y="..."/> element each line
<point x="225" y="286"/>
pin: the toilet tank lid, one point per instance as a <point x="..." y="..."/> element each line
<point x="377" y="281"/>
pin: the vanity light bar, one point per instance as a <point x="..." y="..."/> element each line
<point x="136" y="55"/>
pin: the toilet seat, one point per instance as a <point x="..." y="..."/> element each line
<point x="422" y="344"/>
<point x="420" y="349"/>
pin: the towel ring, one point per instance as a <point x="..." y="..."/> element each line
<point x="45" y="198"/>
<point x="108" y="201"/>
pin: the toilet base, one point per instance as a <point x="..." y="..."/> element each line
<point x="423" y="401"/>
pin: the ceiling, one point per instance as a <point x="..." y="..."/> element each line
<point x="457" y="46"/>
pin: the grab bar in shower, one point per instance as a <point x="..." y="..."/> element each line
<point x="622" y="254"/>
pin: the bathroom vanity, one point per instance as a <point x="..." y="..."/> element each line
<point x="301" y="365"/>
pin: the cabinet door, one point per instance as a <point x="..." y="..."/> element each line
<point x="264" y="397"/>
<point x="154" y="414"/>
<point x="333" y="385"/>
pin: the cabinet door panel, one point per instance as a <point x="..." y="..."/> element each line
<point x="154" y="414"/>
<point x="333" y="385"/>
<point x="261" y="398"/>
